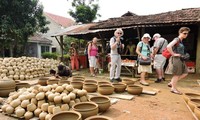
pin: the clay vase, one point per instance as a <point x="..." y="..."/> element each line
<point x="197" y="112"/>
<point x="105" y="89"/>
<point x="187" y="96"/>
<point x="193" y="103"/>
<point x="90" y="81"/>
<point x="86" y="109"/>
<point x="43" y="81"/>
<point x="52" y="81"/>
<point x="119" y="87"/>
<point x="22" y="85"/>
<point x="99" y="117"/>
<point x="134" y="90"/>
<point x="70" y="115"/>
<point x="90" y="87"/>
<point x="103" y="102"/>
<point x="6" y="86"/>
<point x="128" y="81"/>
<point x="104" y="82"/>
<point x="77" y="84"/>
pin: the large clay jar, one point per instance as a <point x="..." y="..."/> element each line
<point x="86" y="109"/>
<point x="22" y="85"/>
<point x="43" y="81"/>
<point x="77" y="84"/>
<point x="90" y="87"/>
<point x="105" y="89"/>
<point x="197" y="112"/>
<point x="66" y="115"/>
<point x="119" y="87"/>
<point x="193" y="103"/>
<point x="99" y="117"/>
<point x="6" y="86"/>
<point x="103" y="102"/>
<point x="90" y="81"/>
<point x="134" y="90"/>
<point x="187" y="96"/>
<point x="128" y="81"/>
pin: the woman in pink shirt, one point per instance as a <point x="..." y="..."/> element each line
<point x="92" y="53"/>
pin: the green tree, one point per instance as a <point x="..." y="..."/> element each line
<point x="19" y="19"/>
<point x="85" y="10"/>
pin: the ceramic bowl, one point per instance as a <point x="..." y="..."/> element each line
<point x="99" y="117"/>
<point x="134" y="90"/>
<point x="61" y="82"/>
<point x="90" y="87"/>
<point x="43" y="81"/>
<point x="187" y="96"/>
<point x="69" y="115"/>
<point x="105" y="89"/>
<point x="103" y="102"/>
<point x="193" y="103"/>
<point x="78" y="78"/>
<point x="104" y="82"/>
<point x="52" y="81"/>
<point x="119" y="87"/>
<point x="86" y="109"/>
<point x="90" y="81"/>
<point x="128" y="81"/>
<point x="77" y="84"/>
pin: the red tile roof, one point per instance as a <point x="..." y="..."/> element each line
<point x="65" y="22"/>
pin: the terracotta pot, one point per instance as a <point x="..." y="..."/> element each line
<point x="119" y="87"/>
<point x="187" y="96"/>
<point x="105" y="89"/>
<point x="70" y="115"/>
<point x="77" y="84"/>
<point x="103" y="102"/>
<point x="133" y="89"/>
<point x="128" y="81"/>
<point x="7" y="83"/>
<point x="52" y="81"/>
<point x="193" y="103"/>
<point x="6" y="92"/>
<point x="61" y="82"/>
<point x="197" y="112"/>
<point x="86" y="109"/>
<point x="90" y="87"/>
<point x="22" y="85"/>
<point x="43" y="81"/>
<point x="99" y="117"/>
<point x="104" y="82"/>
<point x="90" y="81"/>
<point x="78" y="78"/>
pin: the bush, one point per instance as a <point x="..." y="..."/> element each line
<point x="49" y="55"/>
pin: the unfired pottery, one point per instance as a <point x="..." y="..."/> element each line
<point x="77" y="84"/>
<point x="66" y="115"/>
<point x="105" y="89"/>
<point x="90" y="87"/>
<point x="193" y="103"/>
<point x="43" y="81"/>
<point x="22" y="85"/>
<point x="52" y="81"/>
<point x="104" y="82"/>
<point x="99" y="117"/>
<point x="90" y="81"/>
<point x="119" y="87"/>
<point x="197" y="112"/>
<point x="128" y="81"/>
<point x="134" y="90"/>
<point x="188" y="96"/>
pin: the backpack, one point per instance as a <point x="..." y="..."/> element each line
<point x="86" y="50"/>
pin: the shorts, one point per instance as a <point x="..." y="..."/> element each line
<point x="159" y="61"/>
<point x="93" y="61"/>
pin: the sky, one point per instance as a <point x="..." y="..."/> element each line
<point x="116" y="8"/>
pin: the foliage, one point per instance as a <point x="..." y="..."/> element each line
<point x="84" y="12"/>
<point x="18" y="20"/>
<point x="49" y="55"/>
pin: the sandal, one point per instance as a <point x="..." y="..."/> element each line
<point x="144" y="83"/>
<point x="176" y="92"/>
<point x="169" y="85"/>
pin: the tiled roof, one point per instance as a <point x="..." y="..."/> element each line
<point x="65" y="22"/>
<point x="184" y="16"/>
<point x="38" y="38"/>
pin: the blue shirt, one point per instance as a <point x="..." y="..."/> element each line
<point x="145" y="48"/>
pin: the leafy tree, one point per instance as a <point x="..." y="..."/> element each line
<point x="85" y="11"/>
<point x="19" y="19"/>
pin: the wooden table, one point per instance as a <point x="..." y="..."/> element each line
<point x="129" y="69"/>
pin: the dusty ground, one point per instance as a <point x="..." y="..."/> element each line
<point x="163" y="106"/>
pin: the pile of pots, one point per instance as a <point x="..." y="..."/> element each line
<point x="193" y="101"/>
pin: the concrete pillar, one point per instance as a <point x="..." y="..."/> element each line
<point x="198" y="52"/>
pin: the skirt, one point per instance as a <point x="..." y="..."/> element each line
<point x="144" y="68"/>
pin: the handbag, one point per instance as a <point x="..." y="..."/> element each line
<point x="185" y="57"/>
<point x="144" y="62"/>
<point x="166" y="53"/>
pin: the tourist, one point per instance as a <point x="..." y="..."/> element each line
<point x="74" y="56"/>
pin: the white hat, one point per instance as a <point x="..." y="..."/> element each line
<point x="146" y="35"/>
<point x="156" y="35"/>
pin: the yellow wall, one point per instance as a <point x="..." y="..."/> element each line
<point x="198" y="52"/>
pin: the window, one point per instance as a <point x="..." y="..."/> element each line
<point x="44" y="49"/>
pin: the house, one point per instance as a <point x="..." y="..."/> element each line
<point x="167" y="24"/>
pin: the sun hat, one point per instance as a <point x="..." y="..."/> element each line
<point x="146" y="35"/>
<point x="156" y="35"/>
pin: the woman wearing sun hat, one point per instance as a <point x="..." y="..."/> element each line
<point x="143" y="51"/>
<point x="74" y="56"/>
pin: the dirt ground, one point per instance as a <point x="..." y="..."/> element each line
<point x="162" y="106"/>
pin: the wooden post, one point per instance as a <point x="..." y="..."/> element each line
<point x="61" y="44"/>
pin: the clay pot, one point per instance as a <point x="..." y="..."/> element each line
<point x="77" y="84"/>
<point x="105" y="89"/>
<point x="6" y="86"/>
<point x="22" y="85"/>
<point x="78" y="78"/>
<point x="128" y="81"/>
<point x="52" y="81"/>
<point x="193" y="103"/>
<point x="103" y="102"/>
<point x="64" y="78"/>
<point x="6" y="92"/>
<point x="188" y="96"/>
<point x="90" y="87"/>
<point x="61" y="82"/>
<point x="86" y="109"/>
<point x="197" y="112"/>
<point x="71" y="115"/>
<point x="134" y="90"/>
<point x="43" y="81"/>
<point x="104" y="82"/>
<point x="90" y="81"/>
<point x="99" y="117"/>
<point x="119" y="87"/>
